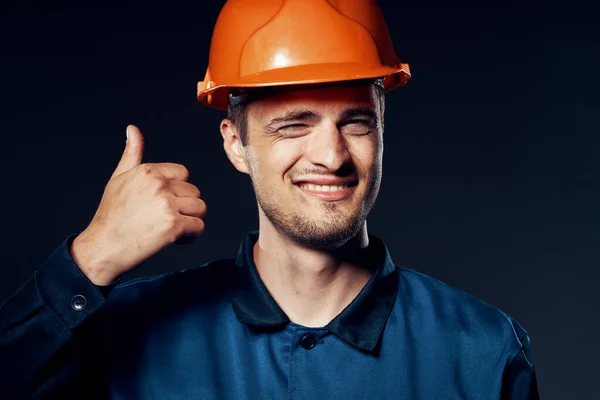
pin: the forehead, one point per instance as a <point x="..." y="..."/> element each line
<point x="325" y="99"/>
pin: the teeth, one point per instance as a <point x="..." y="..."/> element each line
<point x="322" y="188"/>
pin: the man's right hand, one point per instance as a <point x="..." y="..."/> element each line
<point x="144" y="208"/>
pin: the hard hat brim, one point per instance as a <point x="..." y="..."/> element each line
<point x="214" y="94"/>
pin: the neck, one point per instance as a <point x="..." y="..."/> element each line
<point x="312" y="286"/>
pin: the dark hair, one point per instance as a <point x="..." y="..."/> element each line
<point x="238" y="115"/>
<point x="239" y="99"/>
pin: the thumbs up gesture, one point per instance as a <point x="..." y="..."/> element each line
<point x="144" y="208"/>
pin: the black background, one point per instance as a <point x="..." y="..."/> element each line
<point x="490" y="163"/>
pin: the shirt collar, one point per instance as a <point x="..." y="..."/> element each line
<point x="359" y="324"/>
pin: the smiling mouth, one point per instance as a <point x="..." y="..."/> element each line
<point x="322" y="188"/>
<point x="327" y="192"/>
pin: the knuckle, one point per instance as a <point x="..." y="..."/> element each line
<point x="145" y="169"/>
<point x="159" y="184"/>
<point x="166" y="206"/>
<point x="173" y="236"/>
<point x="172" y="226"/>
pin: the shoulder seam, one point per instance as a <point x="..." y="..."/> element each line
<point x="522" y="346"/>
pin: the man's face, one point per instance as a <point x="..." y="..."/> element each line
<point x="315" y="159"/>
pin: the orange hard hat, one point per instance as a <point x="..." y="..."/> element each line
<point x="260" y="43"/>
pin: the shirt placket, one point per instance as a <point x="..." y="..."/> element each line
<point x="306" y="349"/>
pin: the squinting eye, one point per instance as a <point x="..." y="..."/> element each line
<point x="292" y="130"/>
<point x="293" y="127"/>
<point x="357" y="127"/>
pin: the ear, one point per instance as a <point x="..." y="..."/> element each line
<point x="233" y="145"/>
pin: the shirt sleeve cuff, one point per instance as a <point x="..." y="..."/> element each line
<point x="66" y="290"/>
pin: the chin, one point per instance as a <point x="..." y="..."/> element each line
<point x="324" y="226"/>
<point x="315" y="235"/>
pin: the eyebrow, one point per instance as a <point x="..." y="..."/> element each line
<point x="308" y="115"/>
<point x="359" y="112"/>
<point x="296" y="115"/>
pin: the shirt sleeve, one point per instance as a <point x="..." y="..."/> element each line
<point x="43" y="339"/>
<point x="519" y="381"/>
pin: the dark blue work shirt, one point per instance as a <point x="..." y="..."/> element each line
<point x="215" y="332"/>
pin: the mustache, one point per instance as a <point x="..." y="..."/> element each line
<point x="347" y="170"/>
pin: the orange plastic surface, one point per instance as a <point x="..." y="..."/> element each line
<point x="259" y="43"/>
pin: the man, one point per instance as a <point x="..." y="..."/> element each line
<point x="313" y="306"/>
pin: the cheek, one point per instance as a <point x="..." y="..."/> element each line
<point x="276" y="159"/>
<point x="367" y="154"/>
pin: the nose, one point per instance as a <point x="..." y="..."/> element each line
<point x="328" y="147"/>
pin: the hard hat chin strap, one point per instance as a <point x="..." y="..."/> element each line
<point x="239" y="96"/>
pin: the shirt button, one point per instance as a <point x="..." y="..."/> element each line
<point x="79" y="302"/>
<point x="308" y="341"/>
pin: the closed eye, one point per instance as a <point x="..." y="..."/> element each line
<point x="358" y="121"/>
<point x="293" y="126"/>
<point x="293" y="129"/>
<point x="357" y="126"/>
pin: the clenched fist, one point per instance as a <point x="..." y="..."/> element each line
<point x="144" y="208"/>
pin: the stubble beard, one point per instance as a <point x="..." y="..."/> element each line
<point x="329" y="232"/>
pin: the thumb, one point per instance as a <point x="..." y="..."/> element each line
<point x="133" y="153"/>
